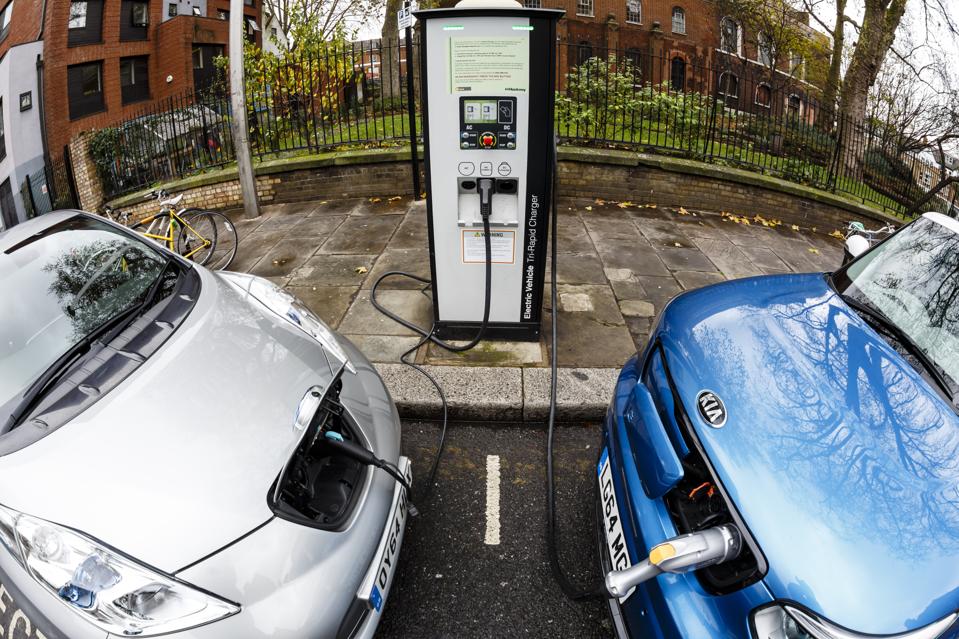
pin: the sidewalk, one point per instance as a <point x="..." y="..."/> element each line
<point x="619" y="263"/>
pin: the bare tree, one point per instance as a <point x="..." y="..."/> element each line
<point x="330" y="18"/>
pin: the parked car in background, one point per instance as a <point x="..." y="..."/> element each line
<point x="811" y="420"/>
<point x="174" y="449"/>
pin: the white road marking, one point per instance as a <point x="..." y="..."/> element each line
<point x="492" y="500"/>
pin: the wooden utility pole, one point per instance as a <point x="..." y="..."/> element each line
<point x="240" y="128"/>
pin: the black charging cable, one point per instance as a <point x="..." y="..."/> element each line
<point x="486" y="188"/>
<point x="357" y="452"/>
<point x="572" y="591"/>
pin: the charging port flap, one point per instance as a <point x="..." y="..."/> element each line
<point x="658" y="464"/>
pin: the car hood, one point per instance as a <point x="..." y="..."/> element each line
<point x="842" y="460"/>
<point x="177" y="461"/>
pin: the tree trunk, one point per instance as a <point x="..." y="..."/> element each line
<point x="390" y="64"/>
<point x="831" y="91"/>
<point x="876" y="36"/>
<point x="944" y="183"/>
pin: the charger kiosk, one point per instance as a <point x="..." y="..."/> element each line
<point x="488" y="70"/>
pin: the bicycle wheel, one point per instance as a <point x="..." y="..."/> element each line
<point x="155" y="228"/>
<point x="210" y="239"/>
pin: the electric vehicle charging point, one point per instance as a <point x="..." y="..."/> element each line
<point x="488" y="70"/>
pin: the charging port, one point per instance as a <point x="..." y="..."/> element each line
<point x="506" y="186"/>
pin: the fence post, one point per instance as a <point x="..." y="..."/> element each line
<point x="411" y="104"/>
<point x="241" y="130"/>
<point x="71" y="179"/>
<point x="832" y="181"/>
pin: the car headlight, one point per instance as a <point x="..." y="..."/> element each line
<point x="790" y="622"/>
<point x="287" y="306"/>
<point x="114" y="592"/>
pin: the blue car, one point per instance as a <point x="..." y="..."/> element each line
<point x="782" y="460"/>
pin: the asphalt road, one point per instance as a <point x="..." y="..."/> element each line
<point x="451" y="582"/>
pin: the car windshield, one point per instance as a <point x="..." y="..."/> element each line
<point x="913" y="279"/>
<point x="60" y="285"/>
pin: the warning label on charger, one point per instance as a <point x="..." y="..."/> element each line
<point x="502" y="244"/>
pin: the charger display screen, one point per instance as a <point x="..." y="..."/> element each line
<point x="479" y="111"/>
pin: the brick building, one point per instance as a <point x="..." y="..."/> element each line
<point x="688" y="45"/>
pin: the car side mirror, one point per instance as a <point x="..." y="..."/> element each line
<point x="856" y="245"/>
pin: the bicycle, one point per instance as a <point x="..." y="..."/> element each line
<point x="852" y="248"/>
<point x="208" y="238"/>
<point x="123" y="217"/>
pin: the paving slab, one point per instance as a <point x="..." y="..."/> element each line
<point x="685" y="259"/>
<point x="412" y="232"/>
<point x="639" y="329"/>
<point x="472" y="393"/>
<point x="572" y="236"/>
<point x="334" y="270"/>
<point x="636" y="308"/>
<point x="361" y="235"/>
<point x="663" y="233"/>
<point x="415" y="261"/>
<point x="285" y="257"/>
<point x="383" y="348"/>
<point x="328" y="302"/>
<point x="317" y="226"/>
<point x="578" y="268"/>
<point x="396" y="205"/>
<point x="690" y="280"/>
<point x="764" y="259"/>
<point x="334" y="207"/>
<point x="603" y="230"/>
<point x="582" y="394"/>
<point x="586" y="341"/>
<point x="363" y="319"/>
<point x="659" y="290"/>
<point x="638" y="256"/>
<point x="727" y="257"/>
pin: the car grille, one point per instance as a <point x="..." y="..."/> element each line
<point x="699" y="500"/>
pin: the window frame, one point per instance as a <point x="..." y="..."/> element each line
<point x="799" y="111"/>
<point x="130" y="29"/>
<point x="172" y="10"/>
<point x="723" y="86"/>
<point x="533" y="4"/>
<point x="3" y="133"/>
<point x="769" y="89"/>
<point x="765" y="44"/>
<point x="71" y="17"/>
<point x="580" y="4"/>
<point x="739" y="35"/>
<point x="673" y="64"/>
<point x="130" y="95"/>
<point x="682" y="13"/>
<point x="92" y="30"/>
<point x="81" y="105"/>
<point x="630" y="15"/>
<point x="6" y="18"/>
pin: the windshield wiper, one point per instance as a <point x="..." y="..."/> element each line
<point x="892" y="328"/>
<point x="105" y="332"/>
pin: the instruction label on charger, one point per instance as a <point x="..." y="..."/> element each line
<point x="502" y="246"/>
<point x="491" y="65"/>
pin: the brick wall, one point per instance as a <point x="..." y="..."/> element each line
<point x="24" y="23"/>
<point x="89" y="186"/>
<point x="641" y="185"/>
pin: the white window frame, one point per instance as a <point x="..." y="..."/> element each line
<point x="682" y="13"/>
<point x="788" y="105"/>
<point x="533" y="4"/>
<point x="634" y="17"/>
<point x="763" y="85"/>
<point x="797" y="65"/>
<point x="582" y="5"/>
<point x="723" y="87"/>
<point x="5" y="16"/>
<point x="765" y="49"/>
<point x="77" y="20"/>
<point x="739" y="35"/>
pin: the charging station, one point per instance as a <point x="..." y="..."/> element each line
<point x="488" y="73"/>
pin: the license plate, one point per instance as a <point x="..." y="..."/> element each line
<point x="376" y="585"/>
<point x="612" y="521"/>
<point x="18" y="619"/>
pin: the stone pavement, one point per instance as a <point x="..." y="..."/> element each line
<point x="619" y="264"/>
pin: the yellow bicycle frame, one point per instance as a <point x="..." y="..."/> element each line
<point x="170" y="238"/>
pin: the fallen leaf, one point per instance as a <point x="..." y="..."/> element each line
<point x="837" y="234"/>
<point x="589" y="208"/>
<point x="625" y="205"/>
<point x="599" y="201"/>
<point x="650" y="206"/>
<point x="795" y="227"/>
<point x="677" y="244"/>
<point x="395" y="198"/>
<point x="814" y="250"/>
<point x="683" y="211"/>
<point x="361" y="269"/>
<point x="374" y="200"/>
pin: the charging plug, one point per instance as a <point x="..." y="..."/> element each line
<point x="486" y="188"/>
<point x="357" y="452"/>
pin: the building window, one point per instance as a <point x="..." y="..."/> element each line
<point x="134" y="79"/>
<point x="679" y="20"/>
<point x="731" y="36"/>
<point x="3" y="134"/>
<point x="171" y="10"/>
<point x="134" y="20"/>
<point x="533" y="4"/>
<point x="729" y="88"/>
<point x="5" y="20"/>
<point x="85" y="23"/>
<point x="273" y="33"/>
<point x="765" y="53"/>
<point x="764" y="96"/>
<point x="223" y="15"/>
<point x="584" y="8"/>
<point x="796" y="67"/>
<point x="197" y="58"/>
<point x="584" y="51"/>
<point x="85" y="89"/>
<point x="78" y="15"/>
<point x="794" y="106"/>
<point x="677" y="74"/>
<point x="634" y="58"/>
<point x="634" y="11"/>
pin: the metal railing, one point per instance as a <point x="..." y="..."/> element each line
<point x="734" y="112"/>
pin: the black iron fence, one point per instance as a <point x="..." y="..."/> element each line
<point x="50" y="188"/>
<point x="737" y="112"/>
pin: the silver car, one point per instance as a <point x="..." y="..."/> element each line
<point x="175" y="450"/>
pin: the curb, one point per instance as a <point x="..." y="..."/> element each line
<point x="501" y="394"/>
